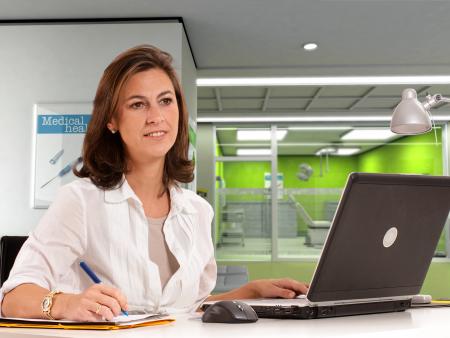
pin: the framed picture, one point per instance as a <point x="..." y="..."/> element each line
<point x="59" y="132"/>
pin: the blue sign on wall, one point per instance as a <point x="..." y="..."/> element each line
<point x="63" y="124"/>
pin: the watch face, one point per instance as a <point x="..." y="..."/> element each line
<point x="46" y="303"/>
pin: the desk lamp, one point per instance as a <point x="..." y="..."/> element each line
<point x="412" y="117"/>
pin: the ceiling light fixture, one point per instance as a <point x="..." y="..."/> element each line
<point x="347" y="151"/>
<point x="326" y="150"/>
<point x="226" y="128"/>
<point x="318" y="128"/>
<point x="412" y="117"/>
<point x="336" y="118"/>
<point x="259" y="134"/>
<point x="252" y="152"/>
<point x="325" y="81"/>
<point x="310" y="46"/>
<point x="368" y="134"/>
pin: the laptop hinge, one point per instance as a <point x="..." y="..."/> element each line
<point x="357" y="301"/>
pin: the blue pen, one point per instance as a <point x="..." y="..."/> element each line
<point x="94" y="278"/>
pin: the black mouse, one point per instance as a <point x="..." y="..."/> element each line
<point x="229" y="311"/>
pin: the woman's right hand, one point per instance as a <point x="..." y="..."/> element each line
<point x="95" y="303"/>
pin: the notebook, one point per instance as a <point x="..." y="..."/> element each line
<point x="120" y="322"/>
<point x="378" y="249"/>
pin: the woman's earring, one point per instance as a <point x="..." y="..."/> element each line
<point x="113" y="131"/>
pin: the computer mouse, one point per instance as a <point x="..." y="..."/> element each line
<point x="229" y="311"/>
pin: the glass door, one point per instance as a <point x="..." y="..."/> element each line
<point x="243" y="226"/>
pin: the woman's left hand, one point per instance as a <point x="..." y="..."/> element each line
<point x="265" y="288"/>
<point x="274" y="288"/>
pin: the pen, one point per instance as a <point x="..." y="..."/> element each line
<point x="94" y="278"/>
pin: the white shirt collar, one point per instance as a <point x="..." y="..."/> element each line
<point x="178" y="199"/>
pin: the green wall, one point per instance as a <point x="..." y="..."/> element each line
<point x="251" y="175"/>
<point x="334" y="175"/>
<point x="413" y="154"/>
<point x="218" y="207"/>
<point x="245" y="174"/>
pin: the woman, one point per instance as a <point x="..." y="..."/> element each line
<point x="148" y="240"/>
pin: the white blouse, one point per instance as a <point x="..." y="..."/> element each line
<point x="109" y="230"/>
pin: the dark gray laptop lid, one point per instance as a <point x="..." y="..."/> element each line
<point x="358" y="260"/>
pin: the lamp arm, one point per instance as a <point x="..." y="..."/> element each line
<point x="434" y="100"/>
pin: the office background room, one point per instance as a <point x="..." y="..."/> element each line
<point x="240" y="185"/>
<point x="62" y="63"/>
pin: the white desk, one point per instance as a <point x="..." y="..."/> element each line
<point x="425" y="322"/>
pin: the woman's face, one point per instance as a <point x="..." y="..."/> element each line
<point x="147" y="116"/>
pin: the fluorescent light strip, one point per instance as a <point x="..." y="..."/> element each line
<point x="307" y="119"/>
<point x="368" y="134"/>
<point x="252" y="152"/>
<point x="259" y="134"/>
<point x="312" y="144"/>
<point x="347" y="151"/>
<point x="324" y="81"/>
<point x="226" y="128"/>
<point x="326" y="150"/>
<point x="295" y="119"/>
<point x="319" y="128"/>
<point x="337" y="151"/>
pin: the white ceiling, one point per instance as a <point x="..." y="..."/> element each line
<point x="308" y="100"/>
<point x="353" y="35"/>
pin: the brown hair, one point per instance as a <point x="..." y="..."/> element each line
<point x="104" y="157"/>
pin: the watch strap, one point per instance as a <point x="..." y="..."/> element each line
<point x="47" y="303"/>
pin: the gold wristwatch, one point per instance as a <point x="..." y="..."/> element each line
<point x="47" y="303"/>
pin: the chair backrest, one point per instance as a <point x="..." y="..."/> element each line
<point x="9" y="248"/>
<point x="230" y="277"/>
<point x="301" y="212"/>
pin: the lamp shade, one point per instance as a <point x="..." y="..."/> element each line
<point x="410" y="117"/>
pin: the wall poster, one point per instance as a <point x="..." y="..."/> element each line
<point x="59" y="132"/>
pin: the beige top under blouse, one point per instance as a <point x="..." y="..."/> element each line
<point x="159" y="252"/>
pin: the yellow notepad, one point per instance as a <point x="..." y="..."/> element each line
<point x="121" y="322"/>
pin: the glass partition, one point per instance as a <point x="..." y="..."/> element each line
<point x="312" y="164"/>
<point x="243" y="188"/>
<point x="315" y="162"/>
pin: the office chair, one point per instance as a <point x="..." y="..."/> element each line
<point x="9" y="248"/>
<point x="231" y="227"/>
<point x="230" y="277"/>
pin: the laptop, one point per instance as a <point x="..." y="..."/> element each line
<point x="378" y="249"/>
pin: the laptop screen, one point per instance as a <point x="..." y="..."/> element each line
<point x="382" y="238"/>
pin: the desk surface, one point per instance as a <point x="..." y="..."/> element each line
<point x="425" y="322"/>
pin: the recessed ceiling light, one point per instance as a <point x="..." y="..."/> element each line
<point x="310" y="46"/>
<point x="252" y="152"/>
<point x="368" y="134"/>
<point x="259" y="134"/>
<point x="346" y="151"/>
